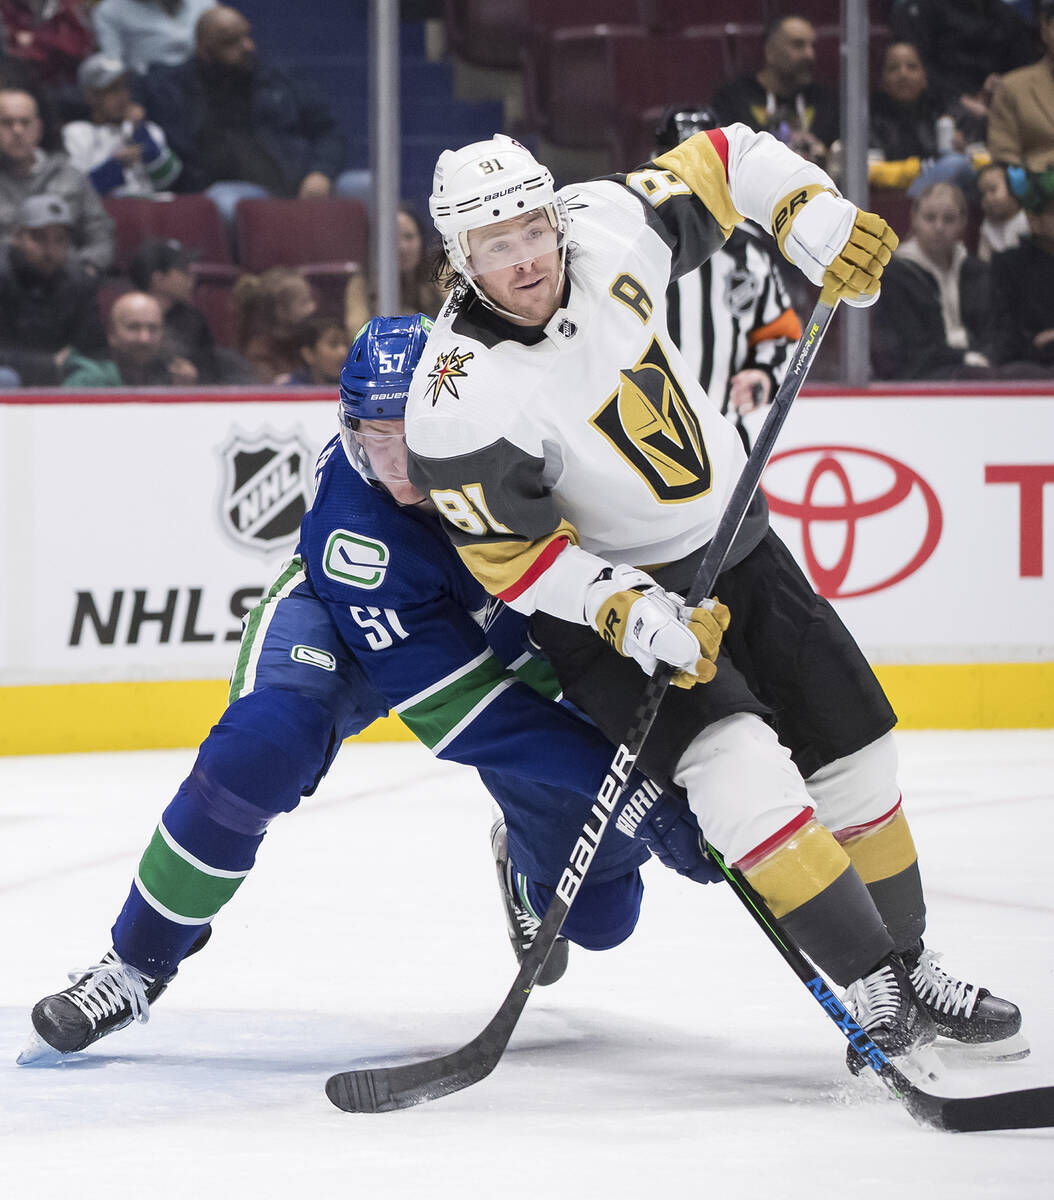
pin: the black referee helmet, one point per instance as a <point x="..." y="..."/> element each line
<point x="680" y="121"/>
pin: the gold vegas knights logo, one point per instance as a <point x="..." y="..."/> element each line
<point x="651" y="425"/>
<point x="448" y="367"/>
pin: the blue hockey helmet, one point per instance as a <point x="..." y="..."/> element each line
<point x="374" y="386"/>
<point x="375" y="378"/>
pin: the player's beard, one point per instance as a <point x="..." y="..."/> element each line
<point x="529" y="300"/>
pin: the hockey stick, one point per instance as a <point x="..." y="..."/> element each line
<point x="382" y="1089"/>
<point x="1028" y="1108"/>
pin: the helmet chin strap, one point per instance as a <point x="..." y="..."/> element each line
<point x="504" y="312"/>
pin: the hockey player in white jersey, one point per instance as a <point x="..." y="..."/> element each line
<point x="581" y="472"/>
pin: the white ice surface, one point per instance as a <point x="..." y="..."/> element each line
<point x="689" y="1062"/>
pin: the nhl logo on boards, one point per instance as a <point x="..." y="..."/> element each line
<point x="266" y="488"/>
<point x="567" y="328"/>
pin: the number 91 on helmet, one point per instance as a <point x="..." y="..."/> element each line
<point x="491" y="182"/>
<point x="374" y="385"/>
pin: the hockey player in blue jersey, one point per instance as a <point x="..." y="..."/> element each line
<point x="375" y="612"/>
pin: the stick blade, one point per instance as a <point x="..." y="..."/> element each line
<point x="387" y="1089"/>
<point x="1029" y="1108"/>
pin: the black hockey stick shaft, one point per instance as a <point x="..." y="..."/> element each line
<point x="382" y="1089"/>
<point x="1029" y="1108"/>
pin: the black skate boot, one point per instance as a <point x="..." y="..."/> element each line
<point x="885" y="1006"/>
<point x="964" y="1012"/>
<point x="101" y="1000"/>
<point x="522" y="921"/>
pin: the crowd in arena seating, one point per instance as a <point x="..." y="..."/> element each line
<point x="961" y="126"/>
<point x="961" y="161"/>
<point x="961" y="134"/>
<point x="131" y="133"/>
<point x="145" y="145"/>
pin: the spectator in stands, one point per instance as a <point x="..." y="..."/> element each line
<point x="918" y="136"/>
<point x="933" y="318"/>
<point x="731" y="318"/>
<point x="417" y="290"/>
<point x="243" y="128"/>
<point x="270" y="307"/>
<point x="1021" y="121"/>
<point x="142" y="32"/>
<point x="1023" y="287"/>
<point x="137" y="353"/>
<point x="163" y="268"/>
<point x="782" y="96"/>
<point x="322" y="343"/>
<point x="1005" y="221"/>
<point x="48" y="306"/>
<point x="121" y="153"/>
<point x="967" y="44"/>
<point x="27" y="170"/>
<point x="50" y="36"/>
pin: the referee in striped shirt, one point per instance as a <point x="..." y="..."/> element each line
<point x="731" y="318"/>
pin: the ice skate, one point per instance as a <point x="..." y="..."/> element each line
<point x="973" y="1024"/>
<point x="885" y="1006"/>
<point x="522" y="921"/>
<point x="102" y="999"/>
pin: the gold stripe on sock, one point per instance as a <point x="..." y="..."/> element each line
<point x="799" y="870"/>
<point x="883" y="852"/>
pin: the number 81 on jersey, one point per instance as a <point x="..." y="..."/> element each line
<point x="466" y="509"/>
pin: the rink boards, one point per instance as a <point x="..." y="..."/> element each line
<point x="137" y="529"/>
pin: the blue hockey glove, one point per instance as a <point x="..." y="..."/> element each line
<point x="668" y="827"/>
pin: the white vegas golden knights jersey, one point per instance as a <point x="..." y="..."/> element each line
<point x="555" y="452"/>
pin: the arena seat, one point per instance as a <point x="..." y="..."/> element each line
<point x="828" y="54"/>
<point x="594" y="83"/>
<point x="109" y="290"/>
<point x="193" y="220"/>
<point x="543" y="15"/>
<point x="668" y="16"/>
<point x="566" y="81"/>
<point x="824" y="12"/>
<point x="323" y="233"/>
<point x="215" y="298"/>
<point x="487" y="33"/>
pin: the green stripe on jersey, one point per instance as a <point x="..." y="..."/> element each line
<point x="433" y="715"/>
<point x="258" y="619"/>
<point x="186" y="889"/>
<point x="538" y="674"/>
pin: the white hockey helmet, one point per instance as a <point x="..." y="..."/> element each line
<point x="486" y="182"/>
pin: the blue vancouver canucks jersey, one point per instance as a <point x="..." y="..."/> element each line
<point x="453" y="663"/>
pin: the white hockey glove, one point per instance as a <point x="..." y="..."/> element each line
<point x="836" y="245"/>
<point x="650" y="625"/>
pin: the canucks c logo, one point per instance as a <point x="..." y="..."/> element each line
<point x="448" y="368"/>
<point x="652" y="426"/>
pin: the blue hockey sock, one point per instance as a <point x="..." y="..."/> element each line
<point x="272" y="746"/>
<point x="603" y="914"/>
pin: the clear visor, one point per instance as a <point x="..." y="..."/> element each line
<point x="494" y="248"/>
<point x="377" y="450"/>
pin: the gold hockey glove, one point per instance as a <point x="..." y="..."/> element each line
<point x="644" y="622"/>
<point x="835" y="244"/>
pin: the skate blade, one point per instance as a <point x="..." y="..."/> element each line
<point x="922" y="1067"/>
<point x="37" y="1053"/>
<point x="969" y="1054"/>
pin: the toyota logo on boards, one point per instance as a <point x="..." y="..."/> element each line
<point x="866" y="520"/>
